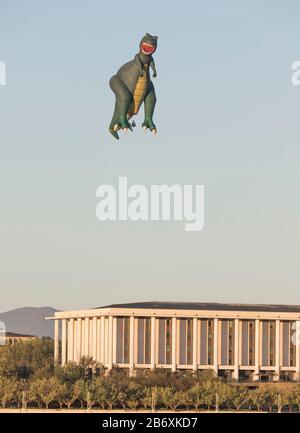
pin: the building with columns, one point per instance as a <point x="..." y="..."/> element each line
<point x="11" y="338"/>
<point x="242" y="342"/>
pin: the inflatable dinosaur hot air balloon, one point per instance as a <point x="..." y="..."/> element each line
<point x="132" y="86"/>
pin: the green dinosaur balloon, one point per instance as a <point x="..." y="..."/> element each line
<point x="132" y="86"/>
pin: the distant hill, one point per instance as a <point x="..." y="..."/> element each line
<point x="29" y="320"/>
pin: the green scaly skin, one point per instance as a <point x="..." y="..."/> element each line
<point x="123" y="84"/>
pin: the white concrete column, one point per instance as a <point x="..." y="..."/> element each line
<point x="86" y="336"/>
<point x="56" y="341"/>
<point x="135" y="341"/>
<point x="157" y="340"/>
<point x="174" y="341"/>
<point x="98" y="355"/>
<point x="195" y="343"/>
<point x="75" y="341"/>
<point x="114" y="355"/>
<point x="78" y="344"/>
<point x="153" y="339"/>
<point x="236" y="349"/>
<point x="68" y="340"/>
<point x="296" y="340"/>
<point x="71" y="340"/>
<point x="257" y="349"/>
<point x="102" y="340"/>
<point x="281" y="342"/>
<point x="277" y="350"/>
<point x="94" y="345"/>
<point x="178" y="341"/>
<point x="241" y="340"/>
<point x="110" y="342"/>
<point x="131" y="344"/>
<point x="90" y="353"/>
<point x="216" y="345"/>
<point x="82" y="337"/>
<point x="64" y="342"/>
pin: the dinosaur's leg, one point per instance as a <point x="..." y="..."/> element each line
<point x="114" y="121"/>
<point x="149" y="104"/>
<point x="123" y="100"/>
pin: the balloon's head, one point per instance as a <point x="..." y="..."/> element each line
<point x="148" y="44"/>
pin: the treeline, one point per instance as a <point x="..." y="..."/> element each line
<point x="28" y="378"/>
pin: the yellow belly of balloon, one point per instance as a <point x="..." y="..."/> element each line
<point x="139" y="93"/>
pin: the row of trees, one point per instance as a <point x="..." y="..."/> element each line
<point x="29" y="378"/>
<point x="117" y="391"/>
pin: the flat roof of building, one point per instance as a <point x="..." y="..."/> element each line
<point x="14" y="334"/>
<point x="210" y="306"/>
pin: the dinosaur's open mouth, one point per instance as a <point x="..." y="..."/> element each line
<point x="147" y="48"/>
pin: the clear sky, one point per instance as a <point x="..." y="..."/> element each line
<point x="227" y="117"/>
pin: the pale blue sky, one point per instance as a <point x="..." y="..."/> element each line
<point x="227" y="117"/>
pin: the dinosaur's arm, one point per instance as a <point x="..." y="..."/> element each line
<point x="152" y="66"/>
<point x="139" y="63"/>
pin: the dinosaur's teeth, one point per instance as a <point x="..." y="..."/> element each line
<point x="147" y="48"/>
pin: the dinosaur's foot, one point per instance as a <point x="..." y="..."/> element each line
<point x="148" y="124"/>
<point x="122" y="124"/>
<point x="114" y="133"/>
